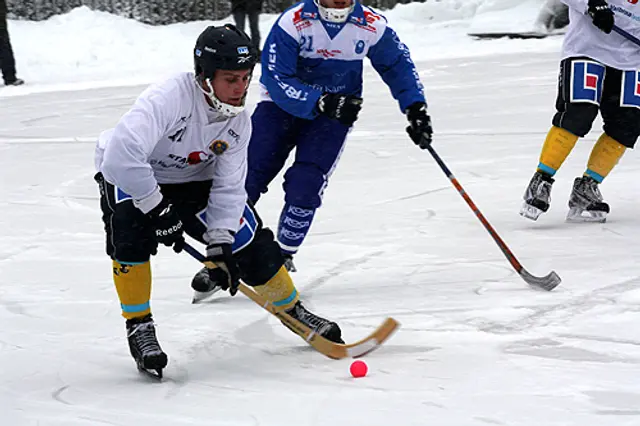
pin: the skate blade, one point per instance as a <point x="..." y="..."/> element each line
<point x="530" y="212"/>
<point x="152" y="373"/>
<point x="578" y="215"/>
<point x="202" y="296"/>
<point x="289" y="266"/>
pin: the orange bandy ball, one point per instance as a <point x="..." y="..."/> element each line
<point x="358" y="369"/>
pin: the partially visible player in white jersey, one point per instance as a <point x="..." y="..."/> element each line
<point x="599" y="72"/>
<point x="176" y="162"/>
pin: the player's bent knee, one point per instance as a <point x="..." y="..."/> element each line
<point x="304" y="184"/>
<point x="625" y="132"/>
<point x="261" y="259"/>
<point x="134" y="253"/>
<point x="577" y="119"/>
<point x="624" y="138"/>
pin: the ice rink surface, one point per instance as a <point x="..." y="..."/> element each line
<point x="477" y="347"/>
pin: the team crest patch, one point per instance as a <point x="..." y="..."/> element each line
<point x="219" y="147"/>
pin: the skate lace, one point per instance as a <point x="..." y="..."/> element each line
<point x="592" y="191"/>
<point x="313" y="321"/>
<point x="544" y="190"/>
<point x="538" y="189"/>
<point x="144" y="335"/>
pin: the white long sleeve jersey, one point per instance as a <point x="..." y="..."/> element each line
<point x="171" y="135"/>
<point x="585" y="39"/>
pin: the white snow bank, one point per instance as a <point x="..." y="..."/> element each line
<point x="85" y="48"/>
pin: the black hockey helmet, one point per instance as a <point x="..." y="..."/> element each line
<point x="223" y="48"/>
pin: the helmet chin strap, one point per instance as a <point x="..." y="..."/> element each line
<point x="334" y="15"/>
<point x="225" y="109"/>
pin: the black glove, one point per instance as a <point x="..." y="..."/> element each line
<point x="419" y="130"/>
<point x="226" y="273"/>
<point x="344" y="108"/>
<point x="601" y="14"/>
<point x="167" y="226"/>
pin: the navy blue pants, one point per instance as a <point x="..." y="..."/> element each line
<point x="318" y="145"/>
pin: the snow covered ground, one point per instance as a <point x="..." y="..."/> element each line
<point x="85" y="49"/>
<point x="476" y="347"/>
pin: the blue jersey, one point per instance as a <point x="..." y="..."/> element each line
<point x="305" y="57"/>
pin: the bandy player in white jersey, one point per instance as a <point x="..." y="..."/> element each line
<point x="600" y="71"/>
<point x="177" y="162"/>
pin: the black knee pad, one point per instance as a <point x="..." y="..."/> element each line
<point x="576" y="118"/>
<point x="624" y="127"/>
<point x="129" y="236"/>
<point x="133" y="253"/>
<point x="261" y="259"/>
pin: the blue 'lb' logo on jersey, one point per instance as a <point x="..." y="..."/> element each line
<point x="360" y="46"/>
<point x="587" y="79"/>
<point x="631" y="89"/>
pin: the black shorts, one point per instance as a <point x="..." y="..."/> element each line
<point x="130" y="236"/>
<point x="585" y="87"/>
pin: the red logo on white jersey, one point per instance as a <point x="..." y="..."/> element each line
<point x="197" y="157"/>
<point x="371" y="17"/>
<point x="328" y="53"/>
<point x="301" y="20"/>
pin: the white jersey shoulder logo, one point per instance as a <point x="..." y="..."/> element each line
<point x="219" y="147"/>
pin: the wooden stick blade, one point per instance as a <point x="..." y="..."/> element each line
<point x="324" y="346"/>
<point x="319" y="343"/>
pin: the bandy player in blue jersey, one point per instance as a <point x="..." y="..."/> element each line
<point x="312" y="65"/>
<point x="599" y="72"/>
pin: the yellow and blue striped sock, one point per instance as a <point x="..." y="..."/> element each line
<point x="604" y="156"/>
<point x="556" y="149"/>
<point x="279" y="290"/>
<point x="133" y="284"/>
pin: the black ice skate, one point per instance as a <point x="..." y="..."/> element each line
<point x="203" y="287"/>
<point x="14" y="82"/>
<point x="288" y="262"/>
<point x="585" y="202"/>
<point x="327" y="329"/>
<point x="537" y="196"/>
<point x="144" y="346"/>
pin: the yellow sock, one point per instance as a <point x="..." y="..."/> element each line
<point x="556" y="149"/>
<point x="604" y="156"/>
<point x="133" y="284"/>
<point x="279" y="290"/>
